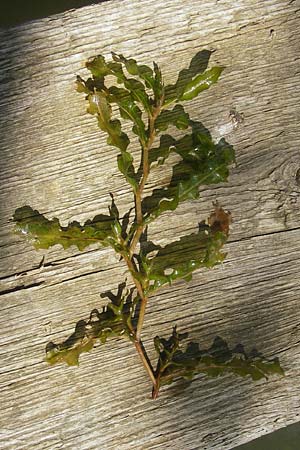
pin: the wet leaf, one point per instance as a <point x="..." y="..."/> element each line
<point x="203" y="163"/>
<point x="98" y="104"/>
<point x="159" y="154"/>
<point x="158" y="85"/>
<point x="81" y="86"/>
<point x="200" y="83"/>
<point x="151" y="78"/>
<point x="177" y="117"/>
<point x="100" y="68"/>
<point x="175" y="362"/>
<point x="113" y="321"/>
<point x="129" y="111"/>
<point x="45" y="233"/>
<point x="141" y="70"/>
<point x="125" y="165"/>
<point x="181" y="258"/>
<point x="197" y="66"/>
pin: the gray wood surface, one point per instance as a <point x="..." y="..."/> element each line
<point x="54" y="158"/>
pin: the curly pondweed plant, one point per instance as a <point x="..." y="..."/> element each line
<point x="141" y="98"/>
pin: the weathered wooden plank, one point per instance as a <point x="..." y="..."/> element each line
<point x="46" y="171"/>
<point x="54" y="158"/>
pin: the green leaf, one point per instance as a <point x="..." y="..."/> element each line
<point x="160" y="154"/>
<point x="158" y="85"/>
<point x="129" y="111"/>
<point x="113" y="321"/>
<point x="151" y="78"/>
<point x="197" y="66"/>
<point x="98" y="104"/>
<point x="45" y="233"/>
<point x="81" y="86"/>
<point x="100" y="69"/>
<point x="180" y="258"/>
<point x="177" y="117"/>
<point x="137" y="91"/>
<point x="139" y="94"/>
<point x="133" y="68"/>
<point x="200" y="83"/>
<point x="125" y="166"/>
<point x="174" y="363"/>
<point x="203" y="163"/>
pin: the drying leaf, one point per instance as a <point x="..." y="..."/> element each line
<point x="219" y="220"/>
<point x="174" y="362"/>
<point x="45" y="233"/>
<point x="114" y="320"/>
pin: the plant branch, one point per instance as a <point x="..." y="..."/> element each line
<point x="155" y="389"/>
<point x="133" y="271"/>
<point x="146" y="362"/>
<point x="138" y="205"/>
<point x="128" y="259"/>
<point x="137" y="342"/>
<point x="143" y="297"/>
<point x="138" y="195"/>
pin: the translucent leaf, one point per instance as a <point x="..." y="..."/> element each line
<point x="45" y="233"/>
<point x="180" y="258"/>
<point x="98" y="104"/>
<point x="174" y="362"/>
<point x="100" y="68"/>
<point x="139" y="94"/>
<point x="125" y="166"/>
<point x="200" y="83"/>
<point x="159" y="154"/>
<point x="197" y="66"/>
<point x="142" y="71"/>
<point x="177" y="117"/>
<point x="158" y="86"/>
<point x="81" y="86"/>
<point x="152" y="78"/>
<point x="129" y="110"/>
<point x="114" y="320"/>
<point x="203" y="163"/>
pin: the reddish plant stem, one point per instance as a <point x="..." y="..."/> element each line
<point x="146" y="363"/>
<point x="137" y="342"/>
<point x="146" y="170"/>
<point x="135" y="240"/>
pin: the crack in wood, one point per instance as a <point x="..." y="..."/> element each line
<point x="21" y="287"/>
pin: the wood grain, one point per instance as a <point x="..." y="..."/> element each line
<point x="54" y="158"/>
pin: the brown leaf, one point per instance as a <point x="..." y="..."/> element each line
<point x="220" y="220"/>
